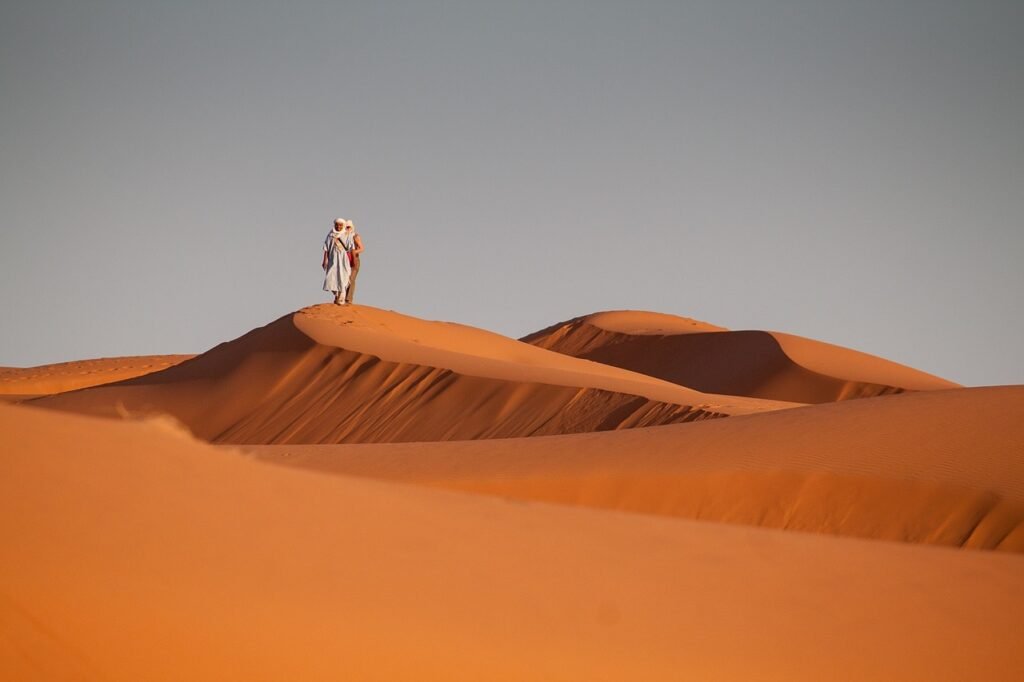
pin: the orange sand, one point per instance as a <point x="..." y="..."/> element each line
<point x="68" y="376"/>
<point x="358" y="374"/>
<point x="944" y="467"/>
<point x="133" y="552"/>
<point x="760" y="364"/>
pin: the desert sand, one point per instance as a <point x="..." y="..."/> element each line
<point x="329" y="374"/>
<point x="749" y="363"/>
<point x="352" y="493"/>
<point x="25" y="382"/>
<point x="942" y="467"/>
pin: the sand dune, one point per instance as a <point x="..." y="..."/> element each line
<point x="940" y="467"/>
<point x="759" y="364"/>
<point x="133" y="552"/>
<point x="637" y="533"/>
<point x="358" y="374"/>
<point x="68" y="376"/>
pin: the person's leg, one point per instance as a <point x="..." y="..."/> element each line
<point x="344" y="284"/>
<point x="351" y="291"/>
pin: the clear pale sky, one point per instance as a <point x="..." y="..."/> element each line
<point x="849" y="171"/>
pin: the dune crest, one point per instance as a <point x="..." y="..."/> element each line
<point x="760" y="364"/>
<point x="356" y="374"/>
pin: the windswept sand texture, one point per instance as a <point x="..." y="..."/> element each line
<point x="457" y="505"/>
<point x="707" y="358"/>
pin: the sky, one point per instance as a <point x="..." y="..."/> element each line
<point x="847" y="171"/>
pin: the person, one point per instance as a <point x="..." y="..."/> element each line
<point x="353" y="259"/>
<point x="337" y="268"/>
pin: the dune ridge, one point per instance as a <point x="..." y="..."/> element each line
<point x="761" y="364"/>
<point x="323" y="376"/>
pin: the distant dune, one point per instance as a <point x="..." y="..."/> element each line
<point x="704" y="357"/>
<point x="68" y="376"/>
<point x="358" y="374"/>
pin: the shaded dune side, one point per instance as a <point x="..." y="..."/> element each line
<point x="747" y="363"/>
<point x="937" y="467"/>
<point x="277" y="385"/>
<point x="69" y="376"/>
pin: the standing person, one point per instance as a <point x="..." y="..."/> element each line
<point x="335" y="262"/>
<point x="353" y="259"/>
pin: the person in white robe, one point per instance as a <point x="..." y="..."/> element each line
<point x="336" y="265"/>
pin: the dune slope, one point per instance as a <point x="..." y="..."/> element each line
<point x="333" y="375"/>
<point x="68" y="376"/>
<point x="938" y="467"/>
<point x="134" y="552"/>
<point x="759" y="364"/>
